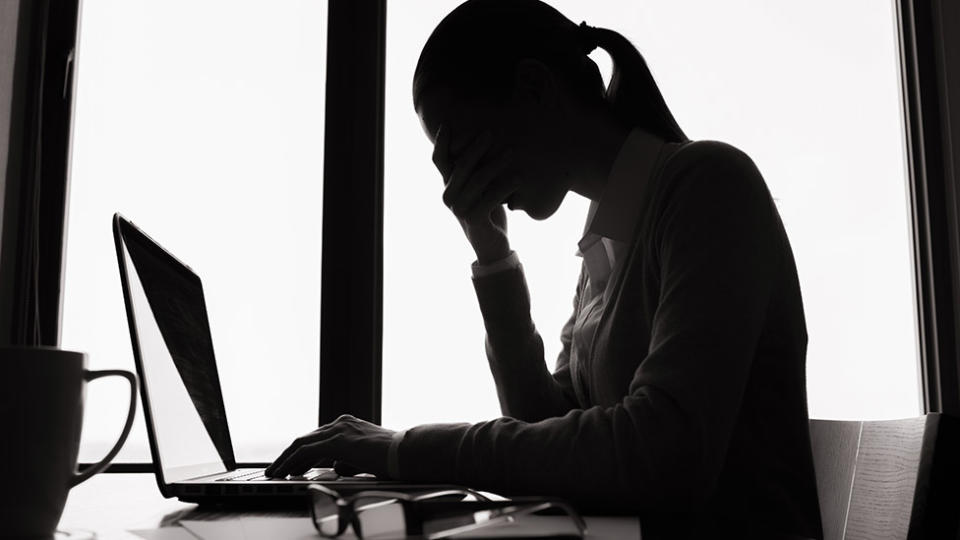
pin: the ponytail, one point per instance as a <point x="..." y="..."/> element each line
<point x="632" y="93"/>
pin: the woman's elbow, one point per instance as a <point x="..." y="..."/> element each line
<point x="663" y="455"/>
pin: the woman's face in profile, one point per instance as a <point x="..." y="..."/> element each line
<point x="534" y="162"/>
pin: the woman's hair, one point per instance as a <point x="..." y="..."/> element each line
<point x="475" y="50"/>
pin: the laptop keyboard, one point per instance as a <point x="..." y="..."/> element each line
<point x="258" y="476"/>
<point x="253" y="475"/>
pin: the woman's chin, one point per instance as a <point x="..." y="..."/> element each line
<point x="538" y="210"/>
<point x="544" y="210"/>
<point x="539" y="214"/>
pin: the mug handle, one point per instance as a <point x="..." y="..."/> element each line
<point x="132" y="379"/>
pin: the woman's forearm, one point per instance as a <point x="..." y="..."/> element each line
<point x="527" y="390"/>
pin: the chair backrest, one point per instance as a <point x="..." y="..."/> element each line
<point x="891" y="479"/>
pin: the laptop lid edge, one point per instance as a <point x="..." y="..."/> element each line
<point x="121" y="225"/>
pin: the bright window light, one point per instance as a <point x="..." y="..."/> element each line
<point x="202" y="122"/>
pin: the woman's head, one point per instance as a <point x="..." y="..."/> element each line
<point x="520" y="69"/>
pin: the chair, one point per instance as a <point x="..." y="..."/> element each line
<point x="891" y="479"/>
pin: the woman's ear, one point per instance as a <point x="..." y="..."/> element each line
<point x="534" y="84"/>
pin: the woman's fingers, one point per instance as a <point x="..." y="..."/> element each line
<point x="496" y="192"/>
<point x="310" y="438"/>
<point x="346" y="469"/>
<point x="441" y="151"/>
<point x="469" y="178"/>
<point x="306" y="457"/>
<point x="325" y="463"/>
<point x="463" y="171"/>
<point x="491" y="178"/>
<point x="272" y="470"/>
<point x="318" y="448"/>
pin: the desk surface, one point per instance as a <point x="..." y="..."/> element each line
<point x="112" y="506"/>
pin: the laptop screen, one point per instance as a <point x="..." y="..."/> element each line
<point x="181" y="386"/>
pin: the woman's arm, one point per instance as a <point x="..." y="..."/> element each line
<point x="474" y="190"/>
<point x="526" y="389"/>
<point x="664" y="444"/>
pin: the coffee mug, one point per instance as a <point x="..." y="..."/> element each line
<point x="41" y="415"/>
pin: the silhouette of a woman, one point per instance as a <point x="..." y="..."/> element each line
<point x="680" y="392"/>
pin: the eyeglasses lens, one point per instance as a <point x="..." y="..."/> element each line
<point x="380" y="517"/>
<point x="325" y="514"/>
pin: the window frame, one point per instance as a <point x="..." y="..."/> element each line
<point x="351" y="287"/>
<point x="928" y="36"/>
<point x="38" y="166"/>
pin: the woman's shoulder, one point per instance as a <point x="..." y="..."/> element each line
<point x="705" y="185"/>
<point x="708" y="154"/>
<point x="705" y="174"/>
<point x="712" y="165"/>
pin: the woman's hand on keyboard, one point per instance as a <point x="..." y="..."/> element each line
<point x="348" y="444"/>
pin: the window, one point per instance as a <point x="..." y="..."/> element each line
<point x="203" y="123"/>
<point x="813" y="99"/>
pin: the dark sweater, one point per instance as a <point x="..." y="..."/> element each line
<point x="691" y="410"/>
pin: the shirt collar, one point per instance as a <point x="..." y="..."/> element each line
<point x="616" y="213"/>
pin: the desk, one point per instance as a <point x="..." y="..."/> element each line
<point x="113" y="505"/>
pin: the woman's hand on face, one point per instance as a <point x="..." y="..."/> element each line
<point x="348" y="444"/>
<point x="475" y="186"/>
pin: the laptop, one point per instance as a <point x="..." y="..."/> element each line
<point x="180" y="389"/>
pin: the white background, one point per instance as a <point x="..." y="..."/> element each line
<point x="203" y="123"/>
<point x="808" y="89"/>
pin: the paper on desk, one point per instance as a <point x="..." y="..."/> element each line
<point x="253" y="528"/>
<point x="165" y="533"/>
<point x="554" y="526"/>
<point x="300" y="528"/>
<point x="214" y="530"/>
<point x="280" y="527"/>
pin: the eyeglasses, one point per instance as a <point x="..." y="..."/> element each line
<point x="432" y="515"/>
